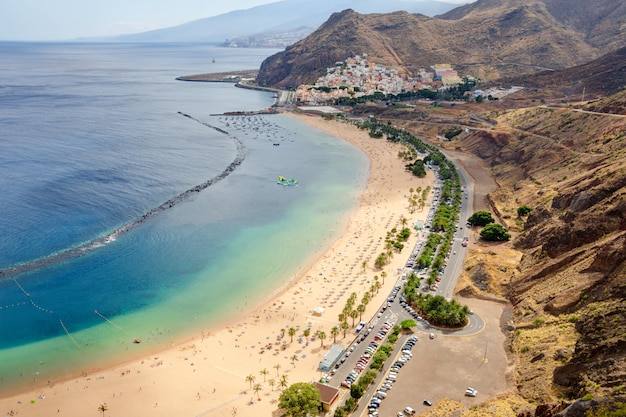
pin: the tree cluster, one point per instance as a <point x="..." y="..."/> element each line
<point x="441" y="312"/>
<point x="480" y="218"/>
<point x="417" y="168"/>
<point x="494" y="232"/>
<point x="300" y="399"/>
<point x="491" y="231"/>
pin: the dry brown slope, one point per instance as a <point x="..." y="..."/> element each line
<point x="504" y="37"/>
<point x="570" y="167"/>
<point x="602" y="24"/>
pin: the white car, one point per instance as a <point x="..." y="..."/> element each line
<point x="471" y="392"/>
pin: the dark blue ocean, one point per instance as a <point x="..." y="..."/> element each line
<point x="94" y="138"/>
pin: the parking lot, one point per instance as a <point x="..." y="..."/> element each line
<point x="444" y="367"/>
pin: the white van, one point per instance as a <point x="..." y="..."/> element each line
<point x="381" y="394"/>
<point x="409" y="411"/>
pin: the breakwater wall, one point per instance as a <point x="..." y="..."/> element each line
<point x="101" y="241"/>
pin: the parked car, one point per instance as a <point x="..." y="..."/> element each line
<point x="471" y="392"/>
<point x="428" y="403"/>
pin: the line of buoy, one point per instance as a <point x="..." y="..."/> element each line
<point x="39" y="307"/>
<point x="111" y="323"/>
<point x="67" y="332"/>
<point x="27" y="294"/>
<point x="6" y="307"/>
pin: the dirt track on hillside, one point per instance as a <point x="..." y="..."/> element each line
<point x="482" y="181"/>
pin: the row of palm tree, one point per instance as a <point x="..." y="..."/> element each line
<point x="417" y="198"/>
<point x="256" y="387"/>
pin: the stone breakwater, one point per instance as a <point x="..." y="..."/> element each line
<point x="110" y="237"/>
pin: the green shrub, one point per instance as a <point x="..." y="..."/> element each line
<point x="539" y="321"/>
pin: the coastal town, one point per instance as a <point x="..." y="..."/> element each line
<point x="359" y="76"/>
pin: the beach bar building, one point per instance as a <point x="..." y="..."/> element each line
<point x="331" y="357"/>
<point x="328" y="395"/>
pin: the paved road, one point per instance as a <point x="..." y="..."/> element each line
<point x="455" y="262"/>
<point x="395" y="313"/>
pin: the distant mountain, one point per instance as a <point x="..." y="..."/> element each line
<point x="298" y="16"/>
<point x="489" y="39"/>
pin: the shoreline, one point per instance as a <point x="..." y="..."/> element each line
<point x="221" y="387"/>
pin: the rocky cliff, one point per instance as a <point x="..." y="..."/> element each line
<point x="569" y="165"/>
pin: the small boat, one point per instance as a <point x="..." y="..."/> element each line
<point x="137" y="341"/>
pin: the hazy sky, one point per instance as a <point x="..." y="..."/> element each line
<point x="71" y="19"/>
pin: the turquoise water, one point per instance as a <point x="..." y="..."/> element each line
<point x="92" y="140"/>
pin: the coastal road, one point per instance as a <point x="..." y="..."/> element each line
<point x="458" y="252"/>
<point x="396" y="313"/>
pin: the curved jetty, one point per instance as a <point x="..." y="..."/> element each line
<point x="112" y="236"/>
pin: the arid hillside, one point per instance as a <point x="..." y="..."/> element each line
<point x="565" y="268"/>
<point x="489" y="39"/>
<point x="598" y="78"/>
<point x="569" y="166"/>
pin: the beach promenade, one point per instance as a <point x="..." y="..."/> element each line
<point x="240" y="368"/>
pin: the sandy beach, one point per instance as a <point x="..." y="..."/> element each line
<point x="214" y="374"/>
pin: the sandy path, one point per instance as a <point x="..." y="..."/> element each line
<point x="210" y="375"/>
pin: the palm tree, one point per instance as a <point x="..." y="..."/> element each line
<point x="345" y="326"/>
<point x="256" y="390"/>
<point x="250" y="378"/>
<point x="271" y="383"/>
<point x="361" y="309"/>
<point x="283" y="381"/>
<point x="334" y="331"/>
<point x="103" y="407"/>
<point x="264" y="372"/>
<point x="383" y="275"/>
<point x="292" y="332"/>
<point x="342" y="317"/>
<point x="294" y="359"/>
<point x="389" y="248"/>
<point x="322" y="336"/>
<point x="364" y="265"/>
<point x="354" y="314"/>
<point x="403" y="221"/>
<point x="277" y="367"/>
<point x="307" y="333"/>
<point x="367" y="297"/>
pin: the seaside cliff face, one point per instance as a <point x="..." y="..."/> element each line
<point x="496" y="37"/>
<point x="570" y="286"/>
